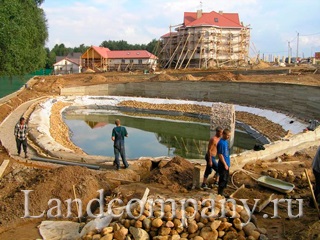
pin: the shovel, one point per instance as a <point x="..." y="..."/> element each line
<point x="312" y="193"/>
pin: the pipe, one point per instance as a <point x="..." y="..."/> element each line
<point x="91" y="166"/>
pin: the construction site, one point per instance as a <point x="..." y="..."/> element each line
<point x="286" y="158"/>
<point x="205" y="40"/>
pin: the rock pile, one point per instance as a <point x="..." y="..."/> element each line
<point x="201" y="222"/>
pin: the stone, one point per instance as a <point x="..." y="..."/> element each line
<point x="207" y="234"/>
<point x="224" y="226"/>
<point x="237" y="224"/>
<point x="169" y="224"/>
<point x="139" y="234"/>
<point x="263" y="237"/>
<point x="96" y="237"/>
<point x="127" y="223"/>
<point x="221" y="234"/>
<point x="121" y="234"/>
<point x="167" y="208"/>
<point x="249" y="228"/>
<point x="116" y="227"/>
<point x="214" y="225"/>
<point x="255" y="234"/>
<point x="164" y="231"/>
<point x="177" y="223"/>
<point x="161" y="238"/>
<point x="157" y="222"/>
<point x="230" y="236"/>
<point x="262" y="230"/>
<point x="200" y="225"/>
<point x="146" y="223"/>
<point x="184" y="235"/>
<point x="107" y="230"/>
<point x="192" y="227"/>
<point x="233" y="214"/>
<point x="198" y="238"/>
<point x="138" y="224"/>
<point x="175" y="237"/>
<point x="108" y="236"/>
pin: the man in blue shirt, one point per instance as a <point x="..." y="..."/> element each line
<point x="224" y="160"/>
<point x="118" y="134"/>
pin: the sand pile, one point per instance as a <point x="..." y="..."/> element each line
<point x="89" y="70"/>
<point x="98" y="79"/>
<point x="163" y="77"/>
<point x="224" y="76"/>
<point x="48" y="184"/>
<point x="262" y="65"/>
<point x="188" y="77"/>
<point x="176" y="174"/>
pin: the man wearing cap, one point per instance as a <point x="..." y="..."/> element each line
<point x="20" y="132"/>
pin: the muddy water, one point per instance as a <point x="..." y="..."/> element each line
<point x="147" y="137"/>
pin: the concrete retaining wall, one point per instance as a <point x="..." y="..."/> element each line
<point x="298" y="100"/>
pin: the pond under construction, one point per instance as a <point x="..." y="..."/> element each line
<point x="149" y="136"/>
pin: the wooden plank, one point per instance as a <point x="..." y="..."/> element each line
<point x="312" y="193"/>
<point x="3" y="167"/>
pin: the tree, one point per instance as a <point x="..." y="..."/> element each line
<point x="23" y="33"/>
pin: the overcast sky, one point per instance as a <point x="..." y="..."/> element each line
<point x="273" y="22"/>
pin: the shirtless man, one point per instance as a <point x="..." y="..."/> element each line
<point x="211" y="158"/>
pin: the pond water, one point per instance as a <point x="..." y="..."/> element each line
<point x="148" y="137"/>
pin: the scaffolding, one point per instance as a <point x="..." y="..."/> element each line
<point x="204" y="47"/>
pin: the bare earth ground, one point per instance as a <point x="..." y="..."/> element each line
<point x="50" y="181"/>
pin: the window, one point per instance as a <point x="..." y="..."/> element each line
<point x="216" y="19"/>
<point x="140" y="61"/>
<point x="131" y="60"/>
<point x="123" y="61"/>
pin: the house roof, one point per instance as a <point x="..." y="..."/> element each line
<point x="66" y="59"/>
<point x="123" y="54"/>
<point x="130" y="54"/>
<point x="213" y="18"/>
<point x="102" y="51"/>
<point x="74" y="57"/>
<point x="168" y="34"/>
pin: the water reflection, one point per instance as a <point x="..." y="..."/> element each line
<point x="147" y="137"/>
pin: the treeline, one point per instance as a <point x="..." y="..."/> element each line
<point x="62" y="50"/>
<point x="23" y="34"/>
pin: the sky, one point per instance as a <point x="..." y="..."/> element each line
<point x="274" y="24"/>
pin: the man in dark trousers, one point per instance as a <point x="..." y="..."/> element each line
<point x="211" y="158"/>
<point x="224" y="160"/>
<point x="316" y="173"/>
<point x="20" y="132"/>
<point x="118" y="134"/>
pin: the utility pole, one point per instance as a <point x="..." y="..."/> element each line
<point x="297" y="45"/>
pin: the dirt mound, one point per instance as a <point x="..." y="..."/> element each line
<point x="57" y="183"/>
<point x="89" y="70"/>
<point x="176" y="174"/>
<point x="163" y="77"/>
<point x="262" y="65"/>
<point x="188" y="77"/>
<point x="116" y="79"/>
<point x="224" y="76"/>
<point x="97" y="79"/>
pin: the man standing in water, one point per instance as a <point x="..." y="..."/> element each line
<point x="20" y="132"/>
<point x="224" y="160"/>
<point x="211" y="158"/>
<point x="118" y="134"/>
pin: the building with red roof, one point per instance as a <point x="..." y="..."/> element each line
<point x="101" y="59"/>
<point x="205" y="40"/>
